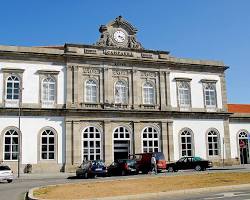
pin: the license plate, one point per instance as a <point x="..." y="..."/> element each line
<point x="98" y="169"/>
<point x="132" y="170"/>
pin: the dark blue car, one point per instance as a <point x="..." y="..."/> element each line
<point x="90" y="169"/>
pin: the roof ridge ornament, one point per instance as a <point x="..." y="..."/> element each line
<point x="118" y="33"/>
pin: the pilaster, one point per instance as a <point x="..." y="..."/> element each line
<point x="164" y="139"/>
<point x="137" y="137"/>
<point x="69" y="86"/>
<point x="170" y="142"/>
<point x="108" y="143"/>
<point x="69" y="160"/>
<point x="223" y="92"/>
<point x="136" y="86"/>
<point x="75" y="88"/>
<point x="162" y="91"/>
<point x="227" y="146"/>
<point x="168" y="100"/>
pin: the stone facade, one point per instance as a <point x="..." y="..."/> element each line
<point x="100" y="120"/>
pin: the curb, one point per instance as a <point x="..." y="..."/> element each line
<point x="154" y="195"/>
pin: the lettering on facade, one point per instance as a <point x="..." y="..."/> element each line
<point x="90" y="51"/>
<point x="146" y="55"/>
<point x="118" y="53"/>
<point x="91" y="71"/>
<point x="120" y="73"/>
<point x="148" y="74"/>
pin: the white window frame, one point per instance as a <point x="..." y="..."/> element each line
<point x="184" y="94"/>
<point x="47" y="134"/>
<point x="210" y="97"/>
<point x="148" y="93"/>
<point x="11" y="134"/>
<point x="48" y="94"/>
<point x="186" y="133"/>
<point x="213" y="134"/>
<point x="121" y="92"/>
<point x="155" y="137"/>
<point x="91" y="152"/>
<point x="91" y="91"/>
<point x="15" y="91"/>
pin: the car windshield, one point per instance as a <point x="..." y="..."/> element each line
<point x="197" y="158"/>
<point x="128" y="161"/>
<point x="97" y="162"/>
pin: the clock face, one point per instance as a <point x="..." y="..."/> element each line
<point x="119" y="36"/>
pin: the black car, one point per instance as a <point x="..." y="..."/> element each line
<point x="122" y="167"/>
<point x="189" y="162"/>
<point x="90" y="169"/>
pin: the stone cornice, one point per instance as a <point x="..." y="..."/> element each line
<point x="47" y="72"/>
<point x="113" y="113"/>
<point x="107" y="54"/>
<point x="12" y="70"/>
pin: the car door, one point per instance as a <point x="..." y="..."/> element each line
<point x="180" y="164"/>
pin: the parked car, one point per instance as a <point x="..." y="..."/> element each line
<point x="143" y="161"/>
<point x="6" y="173"/>
<point x="189" y="162"/>
<point x="90" y="169"/>
<point x="122" y="167"/>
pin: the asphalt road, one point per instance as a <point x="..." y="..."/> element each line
<point x="16" y="189"/>
<point x="240" y="194"/>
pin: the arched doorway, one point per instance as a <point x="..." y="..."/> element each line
<point x="121" y="143"/>
<point x="244" y="147"/>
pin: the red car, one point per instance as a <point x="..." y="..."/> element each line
<point x="143" y="161"/>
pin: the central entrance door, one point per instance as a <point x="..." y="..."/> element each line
<point x="244" y="148"/>
<point x="121" y="143"/>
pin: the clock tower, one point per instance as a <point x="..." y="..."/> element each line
<point x="118" y="33"/>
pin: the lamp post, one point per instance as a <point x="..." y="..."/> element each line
<point x="19" y="132"/>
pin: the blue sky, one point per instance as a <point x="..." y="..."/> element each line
<point x="209" y="30"/>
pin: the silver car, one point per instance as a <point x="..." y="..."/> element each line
<point x="6" y="173"/>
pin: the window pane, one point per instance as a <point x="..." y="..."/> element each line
<point x="44" y="155"/>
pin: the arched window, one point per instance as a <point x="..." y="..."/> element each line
<point x="121" y="94"/>
<point x="150" y="140"/>
<point x="184" y="94"/>
<point x="48" y="145"/>
<point x="210" y="94"/>
<point x="13" y="86"/>
<point x="48" y="90"/>
<point x="91" y="91"/>
<point x="11" y="145"/>
<point x="186" y="143"/>
<point x="121" y="133"/>
<point x="91" y="143"/>
<point x="213" y="143"/>
<point x="243" y="135"/>
<point x="148" y="93"/>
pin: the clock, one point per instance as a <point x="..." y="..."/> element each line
<point x="119" y="36"/>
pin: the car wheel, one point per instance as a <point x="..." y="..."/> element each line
<point x="197" y="168"/>
<point x="123" y="173"/>
<point x="9" y="180"/>
<point x="170" y="169"/>
<point x="86" y="175"/>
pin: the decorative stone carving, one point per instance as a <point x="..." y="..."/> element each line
<point x="120" y="72"/>
<point x="107" y="38"/>
<point x="91" y="71"/>
<point x="148" y="74"/>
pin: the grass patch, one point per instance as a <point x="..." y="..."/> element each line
<point x="149" y="184"/>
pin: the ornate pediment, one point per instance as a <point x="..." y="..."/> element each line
<point x="118" y="33"/>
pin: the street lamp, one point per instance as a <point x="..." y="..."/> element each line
<point x="19" y="131"/>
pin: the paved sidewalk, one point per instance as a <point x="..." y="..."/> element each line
<point x="233" y="167"/>
<point x="63" y="175"/>
<point x="36" y="176"/>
